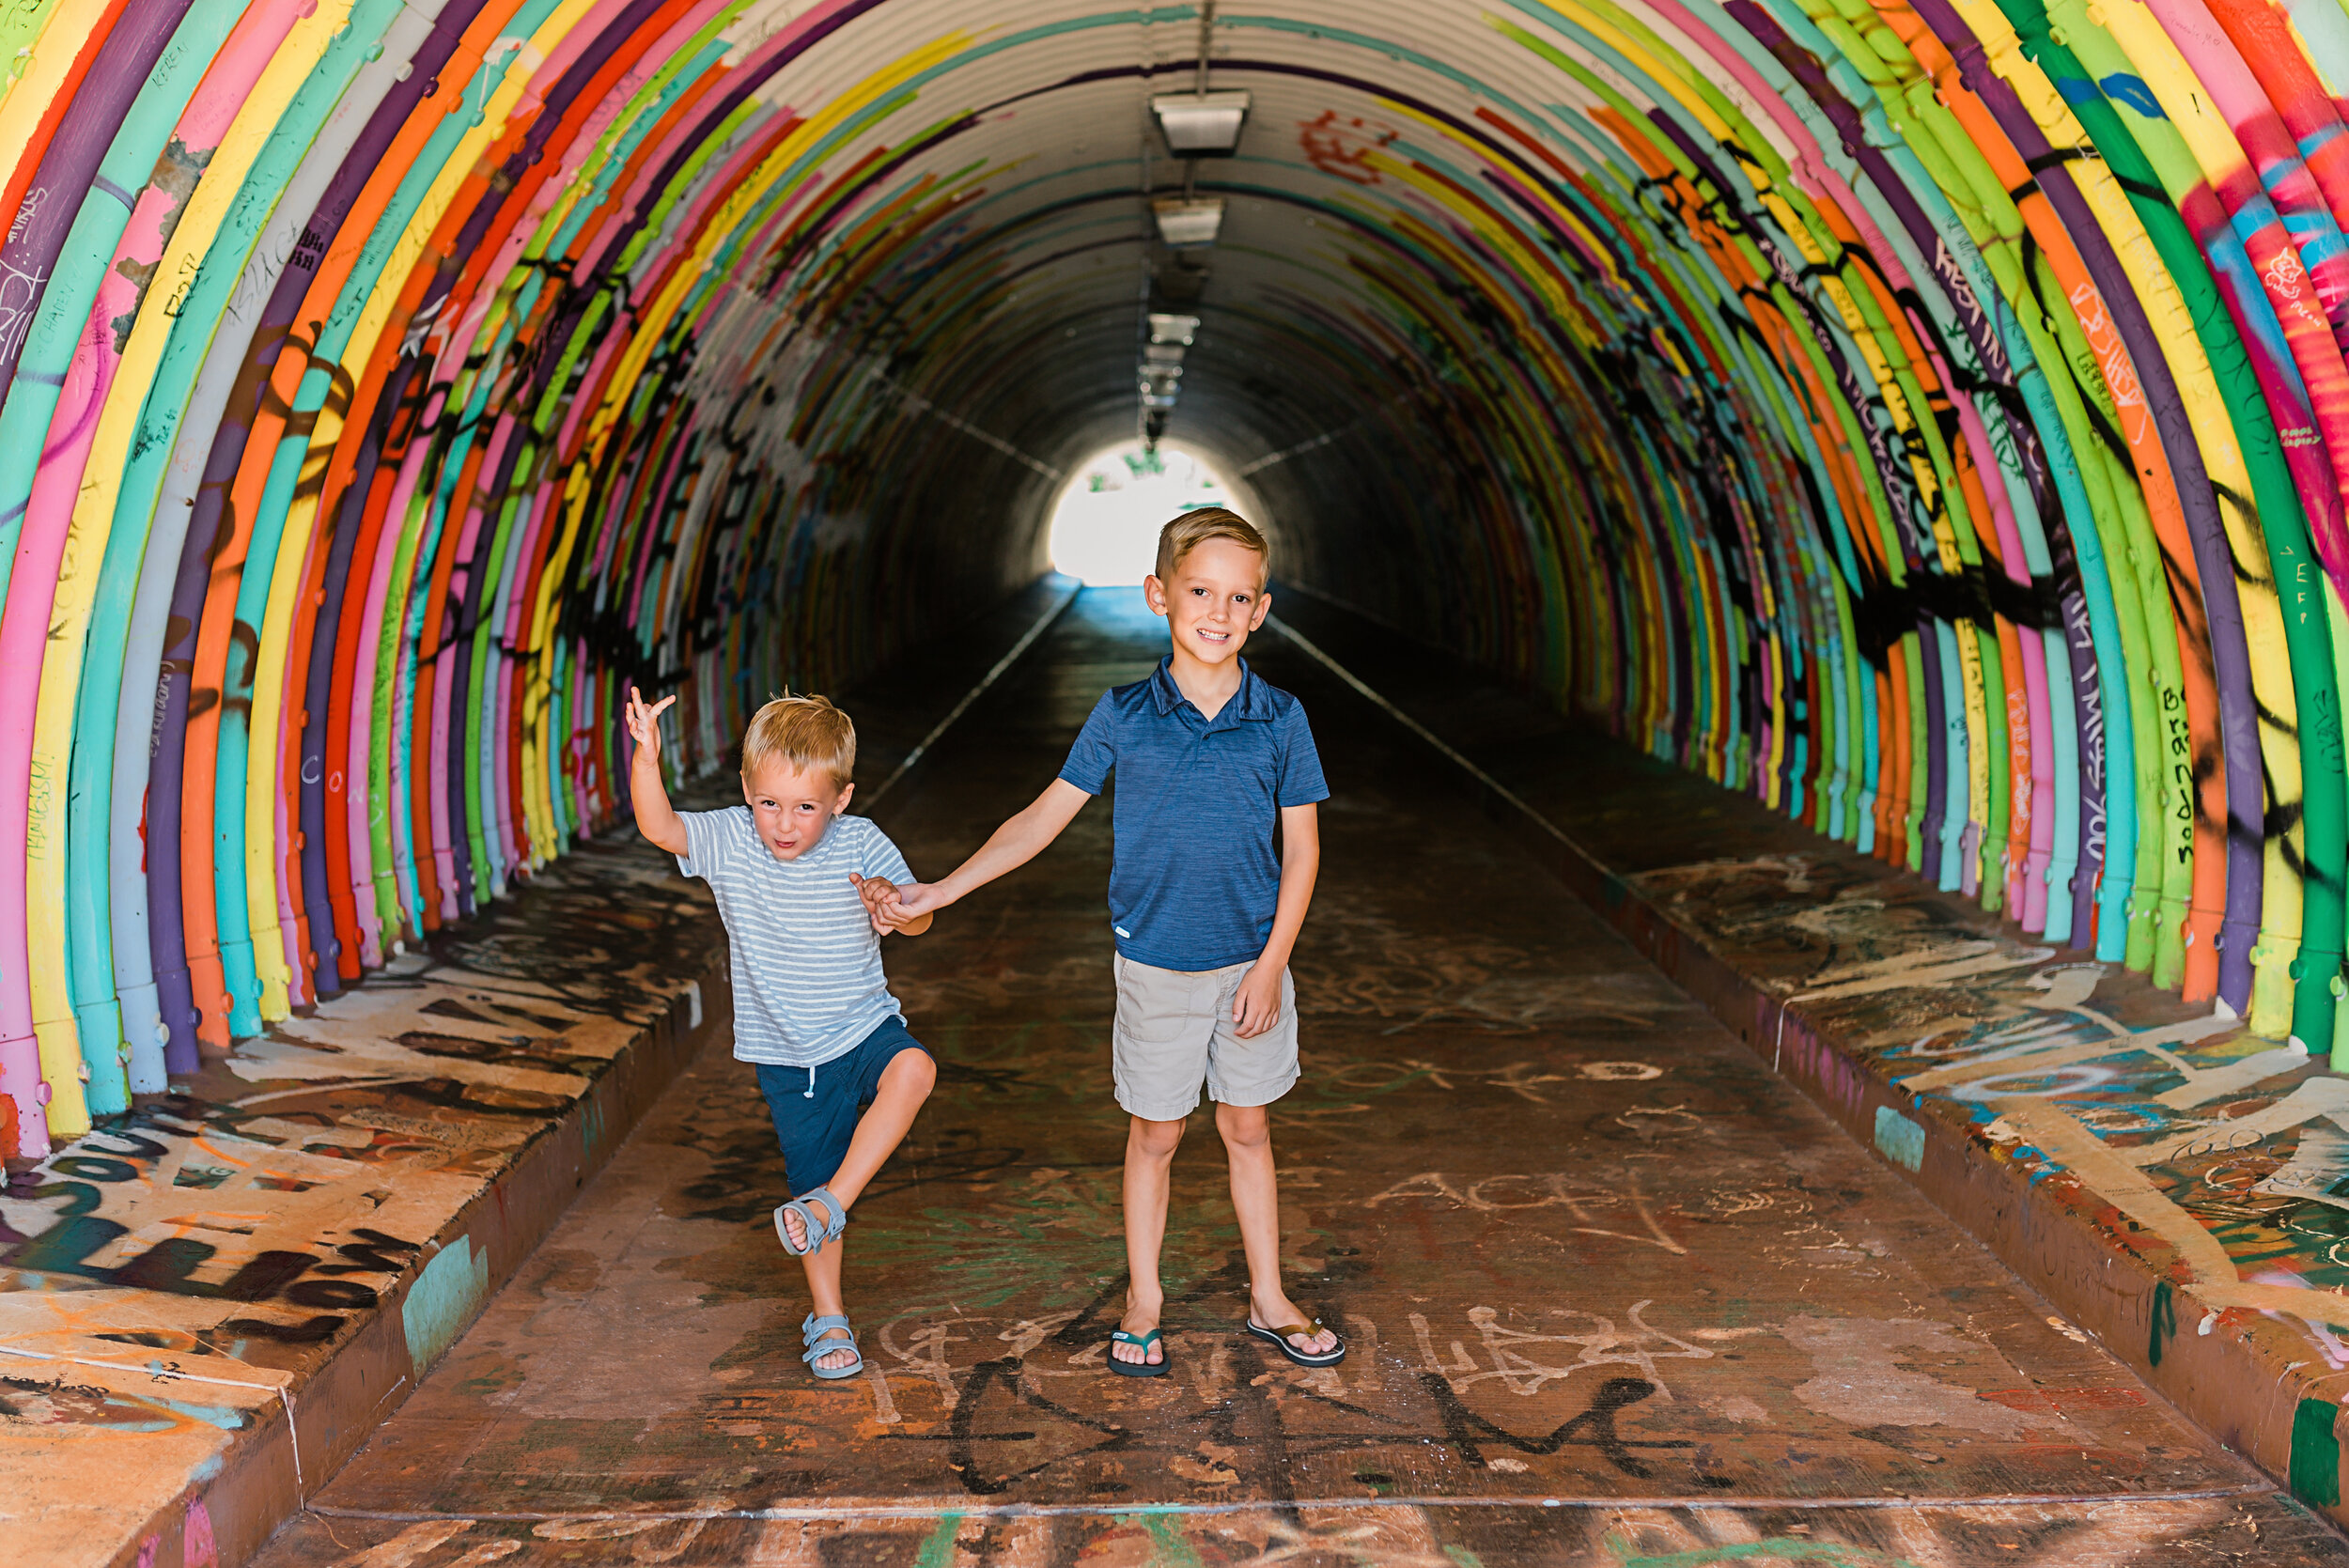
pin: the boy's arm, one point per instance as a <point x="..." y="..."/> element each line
<point x="655" y="818"/>
<point x="1012" y="846"/>
<point x="1257" y="1005"/>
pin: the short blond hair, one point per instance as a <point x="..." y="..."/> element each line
<point x="1188" y="531"/>
<point x="806" y="732"/>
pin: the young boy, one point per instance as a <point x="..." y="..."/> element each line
<point x="1210" y="757"/>
<point x="812" y="1009"/>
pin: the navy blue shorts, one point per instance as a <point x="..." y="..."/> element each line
<point x="816" y="1116"/>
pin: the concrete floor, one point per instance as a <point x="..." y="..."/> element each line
<point x="1617" y="1295"/>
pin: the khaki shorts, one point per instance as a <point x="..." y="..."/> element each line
<point x="1173" y="1032"/>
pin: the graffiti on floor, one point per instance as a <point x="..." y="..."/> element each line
<point x="169" y="1279"/>
<point x="1365" y="1534"/>
<point x="276" y="1212"/>
<point x="1541" y="1314"/>
<point x="2219" y="1152"/>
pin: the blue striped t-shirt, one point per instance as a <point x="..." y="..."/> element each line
<point x="808" y="971"/>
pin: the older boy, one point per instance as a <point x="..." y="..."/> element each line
<point x="1210" y="758"/>
<point x="812" y="1010"/>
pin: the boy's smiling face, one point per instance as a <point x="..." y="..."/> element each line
<point x="1215" y="600"/>
<point x="792" y="808"/>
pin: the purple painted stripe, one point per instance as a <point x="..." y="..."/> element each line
<point x="210" y="528"/>
<point x="70" y="165"/>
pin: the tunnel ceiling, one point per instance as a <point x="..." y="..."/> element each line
<point x="1928" y="416"/>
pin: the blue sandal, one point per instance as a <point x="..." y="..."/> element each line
<point x="835" y="1220"/>
<point x="1142" y="1341"/>
<point x="812" y="1334"/>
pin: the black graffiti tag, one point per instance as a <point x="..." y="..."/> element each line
<point x="1468" y="1432"/>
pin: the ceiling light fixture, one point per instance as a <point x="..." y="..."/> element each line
<point x="1183" y="222"/>
<point x="1201" y="125"/>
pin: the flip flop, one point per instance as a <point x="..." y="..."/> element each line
<point x="1279" y="1340"/>
<point x="835" y="1220"/>
<point x="1138" y="1369"/>
<point x="812" y="1334"/>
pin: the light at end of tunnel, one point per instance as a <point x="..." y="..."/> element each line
<point x="1105" y="526"/>
<point x="1171" y="329"/>
<point x="1189" y="223"/>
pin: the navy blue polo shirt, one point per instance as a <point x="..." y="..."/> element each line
<point x="1194" y="882"/>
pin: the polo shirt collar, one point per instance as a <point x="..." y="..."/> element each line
<point x="1247" y="703"/>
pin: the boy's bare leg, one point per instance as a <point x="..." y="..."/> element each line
<point x="905" y="1083"/>
<point x="823" y="1288"/>
<point x="1149" y="1162"/>
<point x="1246" y="1131"/>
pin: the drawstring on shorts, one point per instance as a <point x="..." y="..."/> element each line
<point x="811" y="1085"/>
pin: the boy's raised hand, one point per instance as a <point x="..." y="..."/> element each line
<point x="655" y="818"/>
<point x="644" y="719"/>
<point x="1256" y="1005"/>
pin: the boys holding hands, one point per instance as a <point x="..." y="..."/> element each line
<point x="1210" y="761"/>
<point x="1210" y="758"/>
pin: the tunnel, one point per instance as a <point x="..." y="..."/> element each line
<point x="1927" y="419"/>
<point x="1921" y="426"/>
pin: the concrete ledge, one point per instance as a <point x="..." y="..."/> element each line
<point x="269" y="1476"/>
<point x="206" y="1304"/>
<point x="2163" y="1179"/>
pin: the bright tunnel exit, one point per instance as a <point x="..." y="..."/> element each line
<point x="1106" y="522"/>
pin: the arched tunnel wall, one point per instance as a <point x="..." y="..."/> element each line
<point x="1927" y="416"/>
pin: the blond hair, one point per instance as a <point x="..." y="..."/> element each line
<point x="1188" y="531"/>
<point x="804" y="732"/>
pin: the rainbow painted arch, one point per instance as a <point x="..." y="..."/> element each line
<point x="1930" y="416"/>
